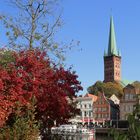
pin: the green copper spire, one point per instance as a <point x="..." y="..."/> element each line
<point x="105" y="53"/>
<point x="112" y="48"/>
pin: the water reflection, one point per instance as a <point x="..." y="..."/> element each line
<point x="79" y="137"/>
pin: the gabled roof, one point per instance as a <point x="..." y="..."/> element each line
<point x="130" y="86"/>
<point x="124" y="83"/>
<point x="94" y="97"/>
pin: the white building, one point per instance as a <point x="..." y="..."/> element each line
<point x="85" y="104"/>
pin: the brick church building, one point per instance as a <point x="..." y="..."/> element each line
<point x="104" y="108"/>
<point x="112" y="58"/>
<point x="112" y="72"/>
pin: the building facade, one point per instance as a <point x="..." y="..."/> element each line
<point x="112" y="58"/>
<point x="105" y="109"/>
<point x="128" y="101"/>
<point x="85" y="104"/>
<point x="115" y="99"/>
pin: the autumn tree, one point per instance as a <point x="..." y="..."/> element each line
<point x="54" y="87"/>
<point x="108" y="88"/>
<point x="17" y="115"/>
<point x="32" y="74"/>
<point x="21" y="124"/>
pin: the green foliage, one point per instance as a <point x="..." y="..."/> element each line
<point x="136" y="112"/>
<point x="21" y="125"/>
<point x="6" y="57"/>
<point x="136" y="84"/>
<point x="113" y="88"/>
<point x="94" y="89"/>
<point x="33" y="75"/>
<point x="108" y="88"/>
<point x="35" y="26"/>
<point x="133" y="132"/>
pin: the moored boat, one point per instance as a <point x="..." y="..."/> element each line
<point x="72" y="130"/>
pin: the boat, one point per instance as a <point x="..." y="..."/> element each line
<point x="85" y="131"/>
<point x="72" y="130"/>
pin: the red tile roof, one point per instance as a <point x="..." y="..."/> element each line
<point x="94" y="97"/>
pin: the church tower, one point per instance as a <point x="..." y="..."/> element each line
<point x="112" y="58"/>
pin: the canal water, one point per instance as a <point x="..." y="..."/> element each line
<point x="81" y="137"/>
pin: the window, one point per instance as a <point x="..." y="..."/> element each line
<point x="85" y="106"/>
<point x="89" y="114"/>
<point x="106" y="115"/>
<point x="101" y="115"/>
<point x="95" y="109"/>
<point x="89" y="105"/>
<point x="81" y="113"/>
<point x="124" y="108"/>
<point x="100" y="109"/>
<point x="131" y="96"/>
<point x="128" y="108"/>
<point x="85" y="113"/>
<point x="126" y="96"/>
<point x="96" y="115"/>
<point x="104" y="109"/>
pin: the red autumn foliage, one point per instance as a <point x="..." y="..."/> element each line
<point x="10" y="92"/>
<point x="32" y="74"/>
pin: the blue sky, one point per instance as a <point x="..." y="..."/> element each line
<point x="88" y="22"/>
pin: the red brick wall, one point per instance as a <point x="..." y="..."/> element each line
<point x="112" y="68"/>
<point x="101" y="109"/>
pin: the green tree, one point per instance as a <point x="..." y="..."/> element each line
<point x="6" y="57"/>
<point x="21" y="125"/>
<point x="113" y="88"/>
<point x="133" y="132"/>
<point x="108" y="88"/>
<point x="136" y="84"/>
<point x="94" y="89"/>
